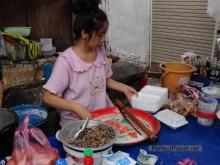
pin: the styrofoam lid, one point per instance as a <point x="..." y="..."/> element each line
<point x="171" y="118"/>
<point x="153" y="88"/>
<point x="148" y="97"/>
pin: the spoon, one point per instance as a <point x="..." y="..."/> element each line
<point x="82" y="128"/>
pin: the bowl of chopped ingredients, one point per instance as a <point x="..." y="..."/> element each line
<point x="97" y="135"/>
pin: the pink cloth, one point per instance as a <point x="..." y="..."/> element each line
<point x="75" y="80"/>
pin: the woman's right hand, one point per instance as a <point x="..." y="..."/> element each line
<point x="83" y="112"/>
<point x="59" y="103"/>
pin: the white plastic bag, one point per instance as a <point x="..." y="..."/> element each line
<point x="188" y="57"/>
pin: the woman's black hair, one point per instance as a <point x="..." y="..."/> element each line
<point x="89" y="17"/>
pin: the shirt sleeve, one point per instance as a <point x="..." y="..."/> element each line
<point x="108" y="69"/>
<point x="108" y="65"/>
<point x="59" y="78"/>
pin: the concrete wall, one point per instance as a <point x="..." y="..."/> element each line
<point x="129" y="28"/>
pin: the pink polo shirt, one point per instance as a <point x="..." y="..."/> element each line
<point x="75" y="80"/>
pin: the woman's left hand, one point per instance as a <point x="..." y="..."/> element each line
<point x="129" y="91"/>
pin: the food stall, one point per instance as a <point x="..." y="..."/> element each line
<point x="168" y="123"/>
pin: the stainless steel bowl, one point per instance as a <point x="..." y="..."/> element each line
<point x="67" y="132"/>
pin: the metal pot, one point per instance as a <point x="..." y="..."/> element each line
<point x="8" y="125"/>
<point x="67" y="132"/>
<point x="15" y="51"/>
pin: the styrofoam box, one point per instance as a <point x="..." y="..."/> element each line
<point x="155" y="90"/>
<point x="171" y="118"/>
<point x="150" y="98"/>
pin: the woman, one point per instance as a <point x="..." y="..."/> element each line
<point x="81" y="74"/>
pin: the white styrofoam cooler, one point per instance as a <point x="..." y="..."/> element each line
<point x="150" y="98"/>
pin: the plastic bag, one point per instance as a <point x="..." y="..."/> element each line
<point x="31" y="147"/>
<point x="188" y="57"/>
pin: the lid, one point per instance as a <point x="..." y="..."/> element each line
<point x="171" y="118"/>
<point x="61" y="162"/>
<point x="8" y="118"/>
<point x="212" y="91"/>
<point x="88" y="152"/>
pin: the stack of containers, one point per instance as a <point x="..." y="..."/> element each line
<point x="150" y="98"/>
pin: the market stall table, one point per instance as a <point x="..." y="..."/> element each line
<point x="193" y="141"/>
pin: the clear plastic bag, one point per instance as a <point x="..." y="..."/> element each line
<point x="31" y="147"/>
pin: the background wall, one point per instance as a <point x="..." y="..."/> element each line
<point x="181" y="26"/>
<point x="48" y="18"/>
<point x="129" y="29"/>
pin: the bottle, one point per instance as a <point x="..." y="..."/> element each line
<point x="208" y="68"/>
<point x="61" y="162"/>
<point x="88" y="157"/>
<point x="197" y="65"/>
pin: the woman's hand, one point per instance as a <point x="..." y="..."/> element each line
<point x="129" y="91"/>
<point x="83" y="112"/>
<point x="59" y="103"/>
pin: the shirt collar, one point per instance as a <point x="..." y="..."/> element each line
<point x="78" y="65"/>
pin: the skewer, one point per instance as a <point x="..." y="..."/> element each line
<point x="124" y="109"/>
<point x="128" y="120"/>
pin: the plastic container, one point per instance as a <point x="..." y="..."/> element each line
<point x="24" y="31"/>
<point x="214" y="92"/>
<point x="118" y="158"/>
<point x="145" y="158"/>
<point x="49" y="53"/>
<point x="46" y="44"/>
<point x="174" y="74"/>
<point x="155" y="90"/>
<point x="97" y="156"/>
<point x="206" y="110"/>
<point x="16" y="52"/>
<point x="171" y="118"/>
<point x="150" y="98"/>
<point x="61" y="162"/>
